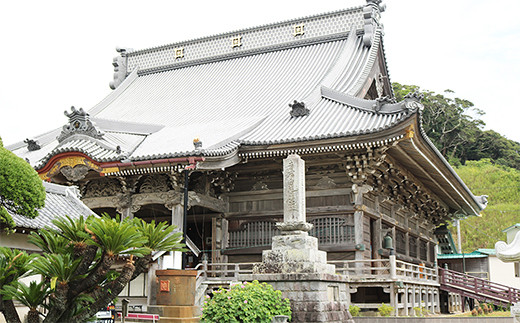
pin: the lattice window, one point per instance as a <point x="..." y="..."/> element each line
<point x="400" y="242"/>
<point x="423" y="250"/>
<point x="253" y="234"/>
<point x="332" y="230"/>
<point x="413" y="246"/>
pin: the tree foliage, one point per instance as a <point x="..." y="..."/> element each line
<point x="455" y="127"/>
<point x="21" y="189"/>
<point x="78" y="265"/>
<point x="502" y="185"/>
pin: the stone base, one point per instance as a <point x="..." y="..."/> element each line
<point x="295" y="253"/>
<point x="314" y="297"/>
<point x="170" y="314"/>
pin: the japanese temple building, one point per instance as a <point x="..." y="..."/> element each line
<point x="229" y="108"/>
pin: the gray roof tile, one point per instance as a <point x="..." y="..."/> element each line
<point x="59" y="202"/>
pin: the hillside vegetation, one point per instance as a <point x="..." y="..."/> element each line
<point x="502" y="185"/>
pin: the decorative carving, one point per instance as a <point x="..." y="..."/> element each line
<point x="361" y="165"/>
<point x="416" y="95"/>
<point x="299" y="109"/>
<point x="325" y="183"/>
<point x="79" y="123"/>
<point x="259" y="186"/>
<point x="154" y="183"/>
<point x="197" y="143"/>
<point x="75" y="173"/>
<point x="120" y="67"/>
<point x="71" y="161"/>
<point x="224" y="181"/>
<point x="103" y="187"/>
<point x="32" y="145"/>
<point x="372" y="15"/>
<point x="382" y="101"/>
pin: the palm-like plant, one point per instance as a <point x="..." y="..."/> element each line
<point x="161" y="236"/>
<point x="31" y="296"/>
<point x="57" y="267"/>
<point x="115" y="237"/>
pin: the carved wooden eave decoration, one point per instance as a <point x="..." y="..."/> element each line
<point x="416" y="153"/>
<point x="73" y="165"/>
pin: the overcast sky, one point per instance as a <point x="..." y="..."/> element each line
<point x="55" y="54"/>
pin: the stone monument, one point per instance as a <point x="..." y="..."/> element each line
<point x="295" y="266"/>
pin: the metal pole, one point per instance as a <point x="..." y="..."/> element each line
<point x="185" y="215"/>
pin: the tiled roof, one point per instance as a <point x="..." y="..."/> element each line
<point x="59" y="202"/>
<point x="231" y="96"/>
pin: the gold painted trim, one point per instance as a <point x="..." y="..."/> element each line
<point x="69" y="161"/>
<point x="299" y="30"/>
<point x="410" y="132"/>
<point x="179" y="52"/>
<point x="236" y="42"/>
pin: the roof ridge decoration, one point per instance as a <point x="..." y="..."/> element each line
<point x="32" y="145"/>
<point x="120" y="64"/>
<point x="298" y="109"/>
<point x="79" y="123"/>
<point x="372" y="16"/>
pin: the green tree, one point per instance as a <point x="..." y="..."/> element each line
<point x="79" y="260"/>
<point x="21" y="189"/>
<point x="446" y="120"/>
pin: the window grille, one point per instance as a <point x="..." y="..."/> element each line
<point x="332" y="230"/>
<point x="400" y="242"/>
<point x="413" y="246"/>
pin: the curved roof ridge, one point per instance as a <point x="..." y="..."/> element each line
<point x="249" y="29"/>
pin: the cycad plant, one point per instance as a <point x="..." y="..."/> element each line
<point x="78" y="262"/>
<point x="32" y="296"/>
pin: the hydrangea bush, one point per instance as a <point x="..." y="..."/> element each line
<point x="247" y="302"/>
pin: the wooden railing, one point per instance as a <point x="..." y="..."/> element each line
<point x="356" y="270"/>
<point x="223" y="271"/>
<point x="477" y="288"/>
<point x="385" y="269"/>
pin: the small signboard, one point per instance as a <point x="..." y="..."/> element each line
<point x="164" y="286"/>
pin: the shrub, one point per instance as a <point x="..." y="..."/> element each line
<point x="385" y="310"/>
<point x="248" y="302"/>
<point x="354" y="310"/>
<point x="418" y="311"/>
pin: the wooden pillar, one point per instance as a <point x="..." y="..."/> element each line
<point x="357" y="199"/>
<point x="405" y="300"/>
<point x="414" y="293"/>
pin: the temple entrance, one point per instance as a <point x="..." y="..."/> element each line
<point x="200" y="231"/>
<point x="156" y="212"/>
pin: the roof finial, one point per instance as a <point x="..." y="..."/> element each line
<point x="371" y="14"/>
<point x="79" y="123"/>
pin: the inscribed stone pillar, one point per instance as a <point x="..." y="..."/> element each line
<point x="295" y="266"/>
<point x="294" y="196"/>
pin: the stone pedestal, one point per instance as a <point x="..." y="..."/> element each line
<point x="314" y="297"/>
<point x="295" y="266"/>
<point x="176" y="296"/>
